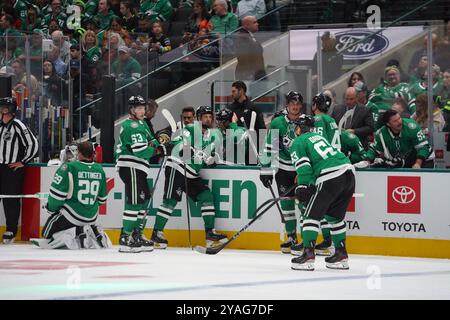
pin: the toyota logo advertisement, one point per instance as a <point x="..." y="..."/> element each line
<point x="403" y="195"/>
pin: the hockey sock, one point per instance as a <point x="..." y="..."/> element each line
<point x="164" y="213"/>
<point x="301" y="207"/>
<point x="141" y="222"/>
<point x="208" y="211"/>
<point x="288" y="210"/>
<point x="325" y="226"/>
<point x="338" y="231"/>
<point x="130" y="215"/>
<point x="310" y="232"/>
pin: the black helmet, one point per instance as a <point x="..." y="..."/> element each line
<point x="203" y="110"/>
<point x="224" y="115"/>
<point x="135" y="101"/>
<point x="294" y="96"/>
<point x="282" y="112"/>
<point x="322" y="101"/>
<point x="305" y="122"/>
<point x="9" y="102"/>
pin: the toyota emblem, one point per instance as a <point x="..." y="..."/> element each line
<point x="403" y="194"/>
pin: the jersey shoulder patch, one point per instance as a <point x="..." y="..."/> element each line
<point x="134" y="125"/>
<point x="412" y="125"/>
<point x="351" y="135"/>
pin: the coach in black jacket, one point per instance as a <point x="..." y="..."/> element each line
<point x="353" y="117"/>
<point x="249" y="52"/>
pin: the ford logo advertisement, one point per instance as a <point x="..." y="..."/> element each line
<point x="364" y="48"/>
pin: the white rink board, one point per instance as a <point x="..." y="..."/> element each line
<point x="371" y="217"/>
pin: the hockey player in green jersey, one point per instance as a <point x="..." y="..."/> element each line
<point x="77" y="189"/>
<point x="190" y="153"/>
<point x="276" y="159"/>
<point x="233" y="137"/>
<point x="325" y="126"/>
<point x="383" y="96"/>
<point x="135" y="148"/>
<point x="352" y="147"/>
<point x="326" y="183"/>
<point x="400" y="144"/>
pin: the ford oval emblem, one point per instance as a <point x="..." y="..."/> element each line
<point x="365" y="49"/>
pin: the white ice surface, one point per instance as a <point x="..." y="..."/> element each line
<point x="179" y="273"/>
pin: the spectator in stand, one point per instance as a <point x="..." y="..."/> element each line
<point x="60" y="66"/>
<point x="90" y="8"/>
<point x="418" y="72"/>
<point x="90" y="50"/>
<point x="256" y="8"/>
<point x="438" y="55"/>
<point x="129" y="19"/>
<point x="52" y="27"/>
<point x="401" y="106"/>
<point x="331" y="61"/>
<point x="56" y="13"/>
<point x="7" y="26"/>
<point x="362" y="92"/>
<point x="420" y="87"/>
<point x="353" y="117"/>
<point x="62" y="44"/>
<point x="32" y="20"/>
<point x="354" y="78"/>
<point x="383" y="96"/>
<point x="249" y="52"/>
<point x="36" y="52"/>
<point x="19" y="71"/>
<point x="421" y="114"/>
<point x="52" y="82"/>
<point x="404" y="77"/>
<point x="104" y="14"/>
<point x="126" y="69"/>
<point x="157" y="9"/>
<point x="199" y="19"/>
<point x="400" y="143"/>
<point x="222" y="21"/>
<point x="116" y="27"/>
<point x="158" y="42"/>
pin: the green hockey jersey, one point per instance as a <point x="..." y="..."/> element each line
<point x="352" y="147"/>
<point x="233" y="139"/>
<point x="383" y="96"/>
<point x="199" y="146"/>
<point x="126" y="71"/>
<point x="157" y="10"/>
<point x="76" y="191"/>
<point x="418" y="88"/>
<point x="316" y="160"/>
<point x="326" y="126"/>
<point x="136" y="145"/>
<point x="278" y="141"/>
<point x="410" y="139"/>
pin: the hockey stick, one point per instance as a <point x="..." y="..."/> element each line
<point x="218" y="249"/>
<point x="39" y="195"/>
<point x="186" y="191"/>
<point x="173" y="125"/>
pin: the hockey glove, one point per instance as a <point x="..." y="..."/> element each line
<point x="362" y="164"/>
<point x="395" y="163"/>
<point x="266" y="180"/>
<point x="304" y="192"/>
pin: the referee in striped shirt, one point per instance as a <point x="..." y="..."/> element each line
<point x="18" y="146"/>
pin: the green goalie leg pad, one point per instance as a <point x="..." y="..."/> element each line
<point x="310" y="232"/>
<point x="206" y="200"/>
<point x="288" y="210"/>
<point x="164" y="213"/>
<point x="338" y="234"/>
<point x="130" y="217"/>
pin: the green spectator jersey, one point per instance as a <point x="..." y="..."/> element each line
<point x="77" y="189"/>
<point x="198" y="144"/>
<point x="418" y="88"/>
<point x="105" y="21"/>
<point x="126" y="72"/>
<point x="90" y="8"/>
<point x="316" y="160"/>
<point x="352" y="147"/>
<point x="22" y="9"/>
<point x="61" y="18"/>
<point x="411" y="139"/>
<point x="281" y="135"/>
<point x="157" y="10"/>
<point x="383" y="96"/>
<point x="326" y="126"/>
<point x="136" y="145"/>
<point x="225" y="24"/>
<point x="93" y="55"/>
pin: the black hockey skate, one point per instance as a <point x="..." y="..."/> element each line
<point x="287" y="245"/>
<point x="297" y="249"/>
<point x="214" y="239"/>
<point x="128" y="244"/>
<point x="146" y="245"/>
<point x="8" y="237"/>
<point x="339" y="260"/>
<point x="158" y="239"/>
<point x="305" y="261"/>
<point x="325" y="248"/>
